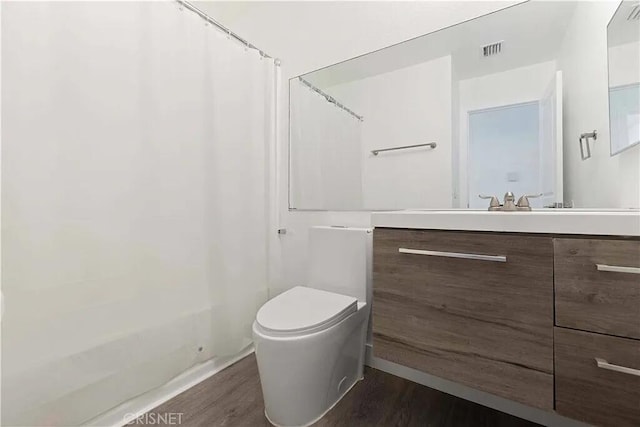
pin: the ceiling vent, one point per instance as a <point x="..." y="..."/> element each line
<point x="492" y="49"/>
<point x="635" y="13"/>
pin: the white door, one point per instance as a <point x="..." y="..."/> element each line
<point x="551" y="182"/>
<point x="504" y="152"/>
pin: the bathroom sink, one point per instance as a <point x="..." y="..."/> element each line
<point x="556" y="210"/>
<point x="611" y="222"/>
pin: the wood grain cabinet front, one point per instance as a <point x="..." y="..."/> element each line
<point x="474" y="308"/>
<point x="597" y="285"/>
<point x="597" y="378"/>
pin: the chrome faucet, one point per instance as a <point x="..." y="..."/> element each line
<point x="509" y="204"/>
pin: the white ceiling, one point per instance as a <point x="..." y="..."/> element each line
<point x="532" y="33"/>
<point x="308" y="35"/>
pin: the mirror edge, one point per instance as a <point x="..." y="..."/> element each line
<point x="611" y="152"/>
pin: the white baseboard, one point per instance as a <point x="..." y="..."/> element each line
<point x="116" y="417"/>
<point x="485" y="399"/>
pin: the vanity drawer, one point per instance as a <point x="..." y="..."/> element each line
<point x="595" y="394"/>
<point x="474" y="308"/>
<point x="589" y="295"/>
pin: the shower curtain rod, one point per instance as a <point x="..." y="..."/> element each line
<point x="226" y="30"/>
<point x="330" y="98"/>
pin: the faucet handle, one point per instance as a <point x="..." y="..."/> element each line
<point x="523" y="201"/>
<point x="494" y="203"/>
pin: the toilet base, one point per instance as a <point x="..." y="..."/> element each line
<point x="323" y="414"/>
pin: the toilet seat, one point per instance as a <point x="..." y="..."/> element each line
<point x="303" y="310"/>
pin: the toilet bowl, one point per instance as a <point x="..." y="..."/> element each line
<point x="310" y="340"/>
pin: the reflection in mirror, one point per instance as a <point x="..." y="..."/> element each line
<point x="326" y="154"/>
<point x="476" y="108"/>
<point x="623" y="41"/>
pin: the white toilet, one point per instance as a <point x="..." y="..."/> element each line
<point x="310" y="340"/>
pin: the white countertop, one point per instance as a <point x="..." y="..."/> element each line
<point x="556" y="221"/>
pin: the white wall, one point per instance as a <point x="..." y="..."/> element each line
<point x="310" y="35"/>
<point x="494" y="90"/>
<point x="411" y="105"/>
<point x="601" y="181"/>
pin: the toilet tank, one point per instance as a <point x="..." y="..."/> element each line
<point x="340" y="261"/>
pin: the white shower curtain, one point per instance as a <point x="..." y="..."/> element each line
<point x="326" y="153"/>
<point x="135" y="144"/>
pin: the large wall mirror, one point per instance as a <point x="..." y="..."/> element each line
<point x="623" y="42"/>
<point x="491" y="105"/>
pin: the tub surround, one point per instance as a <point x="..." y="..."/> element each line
<point x="551" y="221"/>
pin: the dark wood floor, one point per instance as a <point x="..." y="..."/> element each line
<point x="233" y="398"/>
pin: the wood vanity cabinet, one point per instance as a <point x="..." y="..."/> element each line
<point x="594" y="394"/>
<point x="597" y="334"/>
<point x="590" y="294"/>
<point x="475" y="308"/>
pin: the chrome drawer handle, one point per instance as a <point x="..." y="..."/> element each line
<point x="606" y="365"/>
<point x="494" y="258"/>
<point x="618" y="269"/>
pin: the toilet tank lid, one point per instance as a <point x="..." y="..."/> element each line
<point x="303" y="309"/>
